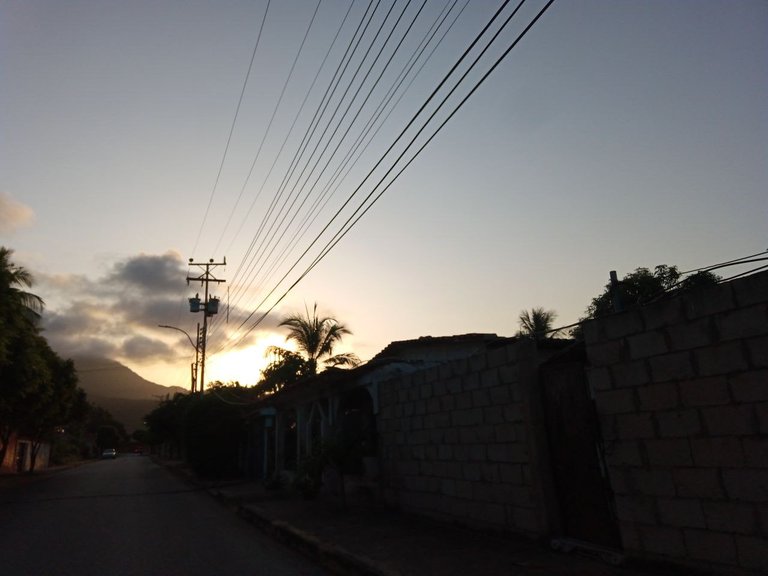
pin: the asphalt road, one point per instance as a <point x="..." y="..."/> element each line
<point x="130" y="516"/>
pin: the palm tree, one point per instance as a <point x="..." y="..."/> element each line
<point x="316" y="338"/>
<point x="18" y="308"/>
<point x="537" y="324"/>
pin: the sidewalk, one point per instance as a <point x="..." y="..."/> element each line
<point x="373" y="541"/>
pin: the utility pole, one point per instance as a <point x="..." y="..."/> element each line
<point x="210" y="306"/>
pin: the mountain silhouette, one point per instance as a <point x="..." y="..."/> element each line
<point x="118" y="389"/>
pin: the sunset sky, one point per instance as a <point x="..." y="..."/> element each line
<point x="614" y="135"/>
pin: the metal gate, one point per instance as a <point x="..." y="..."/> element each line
<point x="581" y="483"/>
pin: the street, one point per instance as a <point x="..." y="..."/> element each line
<point x="130" y="516"/>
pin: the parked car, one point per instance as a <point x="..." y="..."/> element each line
<point x="109" y="453"/>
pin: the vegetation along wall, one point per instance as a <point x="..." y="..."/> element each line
<point x="681" y="388"/>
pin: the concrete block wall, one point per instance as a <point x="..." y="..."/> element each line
<point x="455" y="442"/>
<point x="681" y="387"/>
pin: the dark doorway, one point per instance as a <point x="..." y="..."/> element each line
<point x="582" y="486"/>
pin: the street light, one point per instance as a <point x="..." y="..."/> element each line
<point x="195" y="346"/>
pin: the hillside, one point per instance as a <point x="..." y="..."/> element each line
<point x="117" y="388"/>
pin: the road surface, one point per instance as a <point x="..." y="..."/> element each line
<point x="130" y="516"/>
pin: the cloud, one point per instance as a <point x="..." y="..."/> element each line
<point x="151" y="274"/>
<point x="13" y="214"/>
<point x="117" y="315"/>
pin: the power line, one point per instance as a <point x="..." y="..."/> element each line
<point x="324" y="197"/>
<point x="231" y="129"/>
<point x="347" y="225"/>
<point x="269" y="125"/>
<point x="410" y="123"/>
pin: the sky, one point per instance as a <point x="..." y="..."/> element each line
<point x="135" y="136"/>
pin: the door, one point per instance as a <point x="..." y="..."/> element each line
<point x="583" y="490"/>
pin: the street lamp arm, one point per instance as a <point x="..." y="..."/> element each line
<point x="182" y="331"/>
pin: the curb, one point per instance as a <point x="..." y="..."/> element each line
<point x="334" y="557"/>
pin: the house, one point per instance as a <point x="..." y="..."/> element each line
<point x="284" y="428"/>
<point x="18" y="455"/>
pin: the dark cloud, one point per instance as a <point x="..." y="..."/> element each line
<point x="150" y="274"/>
<point x="118" y="315"/>
<point x="142" y="348"/>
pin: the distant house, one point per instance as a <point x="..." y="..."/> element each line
<point x="18" y="456"/>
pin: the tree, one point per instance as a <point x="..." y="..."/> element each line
<point x="536" y="324"/>
<point x="286" y="368"/>
<point x="19" y="309"/>
<point x="316" y="338"/>
<point x="643" y="286"/>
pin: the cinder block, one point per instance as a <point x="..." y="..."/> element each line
<point x="669" y="452"/>
<point x="513" y="413"/>
<point x="453" y="385"/>
<point x="753" y="553"/>
<point x="615" y="401"/>
<point x="497" y="357"/>
<point x="652" y="482"/>
<point x="493" y="414"/>
<point x="730" y="517"/>
<point x="756" y="452"/>
<point x="630" y="374"/>
<point x="679" y="423"/>
<point x="478" y="362"/>
<point x="481" y="398"/>
<point x="525" y="519"/>
<point x="663" y="540"/>
<point x="750" y="386"/>
<point x="743" y="323"/>
<point x="647" y="344"/>
<point x="447" y="402"/>
<point x="664" y="313"/>
<point x="511" y="473"/>
<point x="711" y="391"/>
<point x="506" y="432"/>
<point x="748" y="485"/>
<point x="439" y="387"/>
<point x="606" y="353"/>
<point x="463" y="401"/>
<point x="696" y="334"/>
<point x="708" y="301"/>
<point x="634" y="426"/>
<point x="758" y="351"/>
<point x="712" y="546"/>
<point x="698" y="482"/>
<point x="509" y="374"/>
<point x="621" y="325"/>
<point x="761" y="412"/>
<point x="658" y="396"/>
<point x="489" y="378"/>
<point x="471" y="381"/>
<point x="681" y="513"/>
<point x="599" y="378"/>
<point x="676" y="366"/>
<point x="433" y="405"/>
<point x="625" y="453"/>
<point x="592" y="331"/>
<point x="636" y="508"/>
<point x="717" y="452"/>
<point x="723" y="359"/>
<point x="507" y="453"/>
<point x="730" y="420"/>
<point x="500" y="395"/>
<point x="752" y="289"/>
